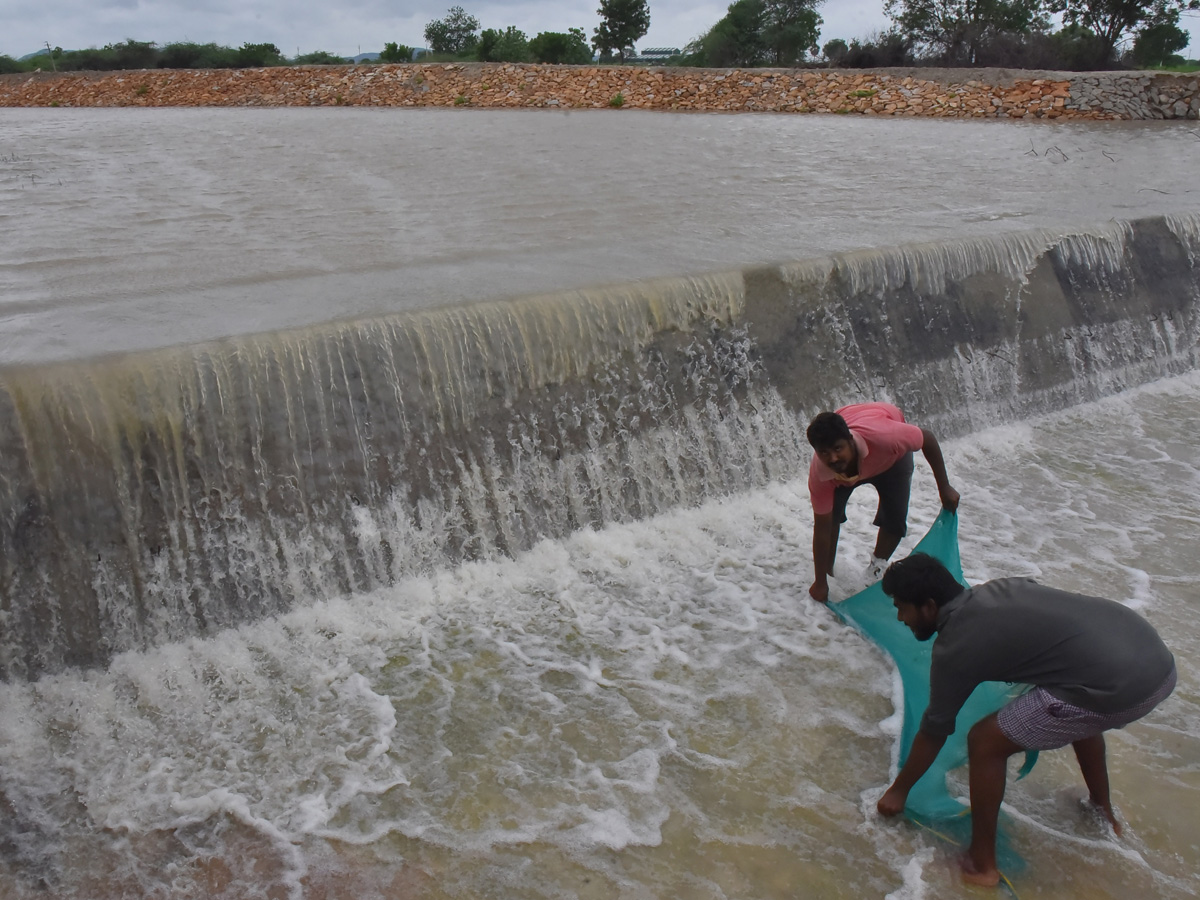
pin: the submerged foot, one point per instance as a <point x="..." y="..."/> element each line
<point x="1106" y="810"/>
<point x="973" y="874"/>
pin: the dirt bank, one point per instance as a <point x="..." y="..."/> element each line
<point x="960" y="93"/>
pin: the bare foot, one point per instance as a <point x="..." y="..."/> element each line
<point x="1106" y="810"/>
<point x="974" y="875"/>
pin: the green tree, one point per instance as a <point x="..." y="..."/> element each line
<point x="129" y="54"/>
<point x="134" y="55"/>
<point x="509" y="45"/>
<point x="736" y="40"/>
<point x="1158" y="45"/>
<point x="1078" y="49"/>
<point x="456" y="33"/>
<point x="190" y="55"/>
<point x="955" y="31"/>
<point x="789" y="28"/>
<point x="622" y="23"/>
<point x="887" y="49"/>
<point x="1111" y="20"/>
<point x="256" y="55"/>
<point x="91" y="59"/>
<point x="555" y="47"/>
<point x="396" y="53"/>
<point x="835" y="51"/>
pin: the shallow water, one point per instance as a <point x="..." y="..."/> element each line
<point x="651" y="710"/>
<point x="126" y="229"/>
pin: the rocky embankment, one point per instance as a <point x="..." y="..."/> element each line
<point x="952" y="93"/>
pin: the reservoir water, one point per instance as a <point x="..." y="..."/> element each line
<point x="562" y="648"/>
<point x="126" y="229"/>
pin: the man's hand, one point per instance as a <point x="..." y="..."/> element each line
<point x="921" y="755"/>
<point x="950" y="498"/>
<point x="892" y="802"/>
<point x="819" y="590"/>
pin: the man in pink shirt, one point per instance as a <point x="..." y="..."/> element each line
<point x="866" y="443"/>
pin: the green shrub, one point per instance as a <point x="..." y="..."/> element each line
<point x="319" y="58"/>
<point x="509" y="45"/>
<point x="557" y="48"/>
<point x="189" y="55"/>
<point x="396" y="53"/>
<point x="258" y="55"/>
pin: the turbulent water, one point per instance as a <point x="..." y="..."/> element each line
<point x="648" y="710"/>
<point x="508" y="598"/>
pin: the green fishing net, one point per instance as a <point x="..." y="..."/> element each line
<point x="872" y="613"/>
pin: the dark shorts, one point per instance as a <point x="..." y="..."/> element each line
<point x="1038" y="720"/>
<point x="894" y="486"/>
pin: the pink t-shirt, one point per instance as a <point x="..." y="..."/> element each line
<point x="882" y="437"/>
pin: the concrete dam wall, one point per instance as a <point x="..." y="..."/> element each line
<point x="154" y="496"/>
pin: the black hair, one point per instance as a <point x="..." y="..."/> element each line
<point x="919" y="577"/>
<point x="826" y="429"/>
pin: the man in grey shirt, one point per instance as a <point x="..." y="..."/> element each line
<point x="1094" y="665"/>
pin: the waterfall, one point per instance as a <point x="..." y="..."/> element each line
<point x="156" y="495"/>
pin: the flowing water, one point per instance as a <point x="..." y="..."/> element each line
<point x="647" y="710"/>
<point x="555" y="642"/>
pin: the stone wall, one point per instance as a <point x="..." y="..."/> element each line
<point x="954" y="93"/>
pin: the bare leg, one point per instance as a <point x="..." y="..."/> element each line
<point x="1090" y="753"/>
<point x="886" y="544"/>
<point x="988" y="750"/>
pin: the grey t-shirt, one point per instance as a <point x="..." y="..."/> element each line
<point x="1092" y="652"/>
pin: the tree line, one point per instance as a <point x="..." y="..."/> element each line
<point x="1094" y="34"/>
<point x="458" y="36"/>
<point x="132" y="54"/>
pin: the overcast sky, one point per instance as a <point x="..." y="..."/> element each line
<point x="349" y="27"/>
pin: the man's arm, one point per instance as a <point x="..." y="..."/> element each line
<point x="933" y="454"/>
<point x="823" y="550"/>
<point x="921" y="755"/>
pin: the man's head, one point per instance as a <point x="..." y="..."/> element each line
<point x="919" y="586"/>
<point x="834" y="444"/>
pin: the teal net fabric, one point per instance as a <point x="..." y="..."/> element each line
<point x="872" y="613"/>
